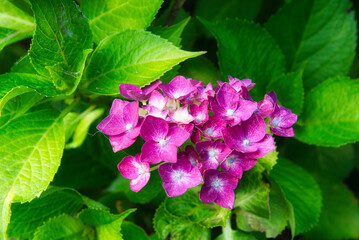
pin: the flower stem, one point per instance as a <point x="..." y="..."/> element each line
<point x="227" y="231"/>
<point x="155" y="167"/>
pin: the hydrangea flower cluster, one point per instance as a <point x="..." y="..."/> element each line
<point x="195" y="134"/>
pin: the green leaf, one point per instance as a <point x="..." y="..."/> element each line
<point x="114" y="16"/>
<point x="11" y="17"/>
<point x="279" y="215"/>
<point x="320" y="33"/>
<point x="172" y="33"/>
<point x="31" y="148"/>
<point x="269" y="160"/>
<point x="131" y="231"/>
<point x="202" y="69"/>
<point x="149" y="192"/>
<point x="180" y="228"/>
<point x="246" y="50"/>
<point x="141" y="58"/>
<point x="9" y="36"/>
<point x="239" y="235"/>
<point x="108" y="226"/>
<point x="61" y="42"/>
<point x="330" y="115"/>
<point x="294" y="181"/>
<point x="289" y="90"/>
<point x="62" y="227"/>
<point x="25" y="218"/>
<point x="189" y="205"/>
<point x="220" y="10"/>
<point x="83" y="126"/>
<point x="340" y="213"/>
<point x="252" y="194"/>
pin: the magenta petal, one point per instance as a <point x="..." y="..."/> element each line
<point x="233" y="136"/>
<point x="196" y="136"/>
<point x="234" y="168"/>
<point x="254" y="128"/>
<point x="246" y="108"/>
<point x="199" y="113"/>
<point x="112" y="125"/>
<point x="225" y="198"/>
<point x="169" y="153"/>
<point x="138" y="183"/>
<point x="227" y="97"/>
<point x="120" y="142"/>
<point x="135" y="131"/>
<point x="130" y="91"/>
<point x="154" y="128"/>
<point x="264" y="146"/>
<point x="228" y="180"/>
<point x="151" y="152"/>
<point x="193" y="178"/>
<point x="148" y="89"/>
<point x="130" y="114"/>
<point x="207" y="194"/>
<point x="177" y="136"/>
<point x="165" y="171"/>
<point x="129" y="166"/>
<point x="174" y="189"/>
<point x="266" y="106"/>
<point x="118" y="106"/>
<point x="283" y="132"/>
<point x="183" y="164"/>
<point x="213" y="127"/>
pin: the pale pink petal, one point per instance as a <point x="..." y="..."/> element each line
<point x="138" y="183"/>
<point x="120" y="142"/>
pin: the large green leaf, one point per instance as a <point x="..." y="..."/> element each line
<point x="331" y="113"/>
<point x="26" y="217"/>
<point x="61" y="42"/>
<point x="113" y="16"/>
<point x="295" y="181"/>
<point x="252" y="194"/>
<point x="340" y="213"/>
<point x="246" y="50"/>
<point x="131" y="231"/>
<point x="108" y="226"/>
<point x="11" y="17"/>
<point x="31" y="148"/>
<point x="133" y="56"/>
<point x="63" y="227"/>
<point x="170" y="226"/>
<point x="320" y="33"/>
<point x="8" y="36"/>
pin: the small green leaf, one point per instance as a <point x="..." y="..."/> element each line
<point x="320" y="33"/>
<point x="294" y="181"/>
<point x="289" y="90"/>
<point x="134" y="56"/>
<point x="9" y="36"/>
<point x="108" y="226"/>
<point x="340" y="213"/>
<point x="252" y="194"/>
<point x="109" y="17"/>
<point x="172" y="33"/>
<point x="31" y="148"/>
<point x="246" y="50"/>
<point x="189" y="205"/>
<point x="26" y="217"/>
<point x="269" y="160"/>
<point x="181" y="228"/>
<point x="62" y="227"/>
<point x="131" y="231"/>
<point x="61" y="42"/>
<point x="330" y="115"/>
<point x="83" y="126"/>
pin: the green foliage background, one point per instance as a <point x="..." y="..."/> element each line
<point x="61" y="62"/>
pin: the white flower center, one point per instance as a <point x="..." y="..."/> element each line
<point x="246" y="142"/>
<point x="209" y="131"/>
<point x="211" y="153"/>
<point x="230" y="112"/>
<point x="176" y="95"/>
<point x="141" y="171"/>
<point x="216" y="184"/>
<point x="231" y="160"/>
<point x="199" y="117"/>
<point x="129" y="126"/>
<point x="178" y="175"/>
<point x="275" y="123"/>
<point x="162" y="142"/>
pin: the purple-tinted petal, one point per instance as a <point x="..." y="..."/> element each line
<point x="245" y="109"/>
<point x="120" y="142"/>
<point x="183" y="164"/>
<point x="193" y="178"/>
<point x="266" y="106"/>
<point x="165" y="171"/>
<point x="274" y="97"/>
<point x="196" y="136"/>
<point x="157" y="100"/>
<point x="225" y="198"/>
<point x="219" y="111"/>
<point x="264" y="146"/>
<point x="112" y="125"/>
<point x="227" y="97"/>
<point x="177" y="136"/>
<point x="154" y="129"/>
<point x="174" y="189"/>
<point x="228" y="180"/>
<point x="118" y="106"/>
<point x="248" y="83"/>
<point x="238" y="158"/>
<point x="283" y="132"/>
<point x="283" y="117"/>
<point x="181" y="115"/>
<point x="130" y="91"/>
<point x="233" y="136"/>
<point x="210" y="176"/>
<point x="138" y="183"/>
<point x="133" y="133"/>
<point x="148" y="89"/>
<point x="199" y="113"/>
<point x="254" y="129"/>
<point x="205" y="92"/>
<point x="213" y="127"/>
<point x="178" y="88"/>
<point x="129" y="166"/>
<point x="169" y="153"/>
<point x="130" y="114"/>
<point x="151" y="152"/>
<point x="234" y="168"/>
<point x="207" y="194"/>
<point x="208" y="163"/>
